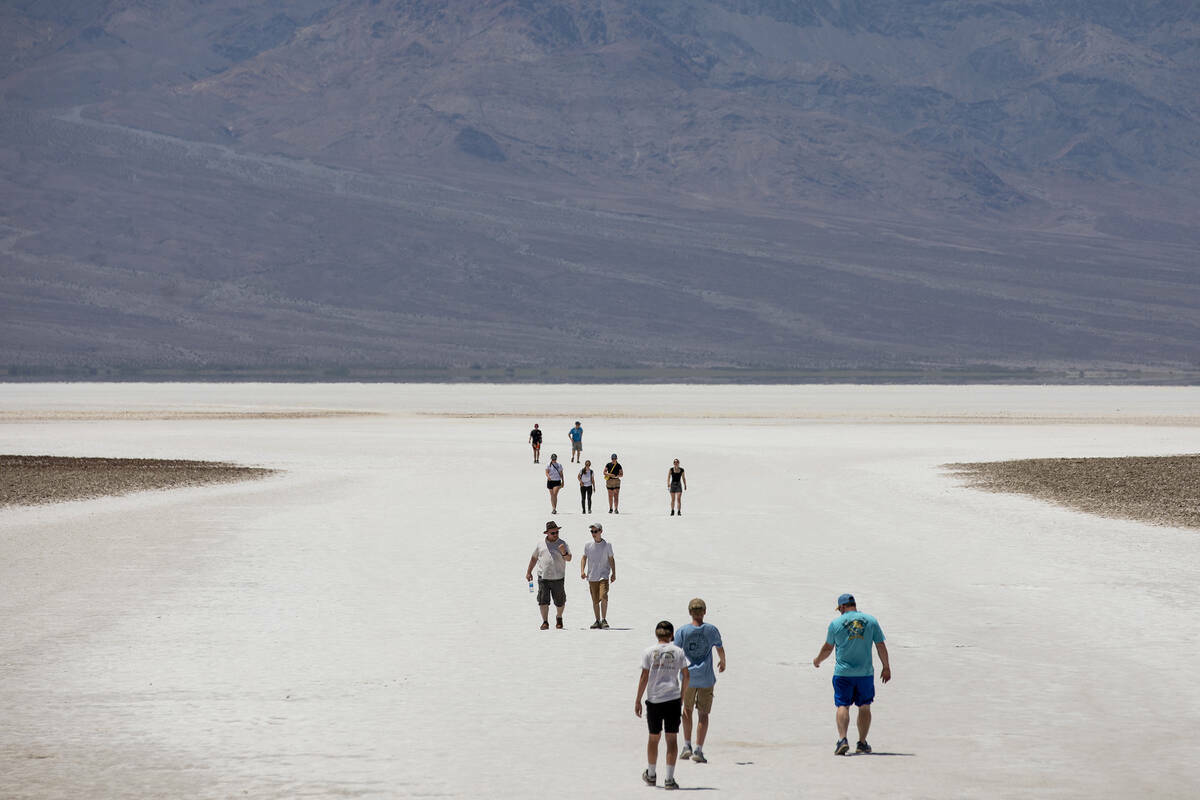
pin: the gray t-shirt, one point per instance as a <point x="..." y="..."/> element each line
<point x="550" y="562"/>
<point x="598" y="554"/>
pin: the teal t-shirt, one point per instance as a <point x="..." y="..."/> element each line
<point x="853" y="634"/>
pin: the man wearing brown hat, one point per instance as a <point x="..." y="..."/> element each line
<point x="550" y="557"/>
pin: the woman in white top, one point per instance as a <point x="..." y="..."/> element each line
<point x="587" y="484"/>
<point x="554" y="481"/>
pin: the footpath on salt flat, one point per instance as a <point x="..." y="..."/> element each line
<point x="360" y="626"/>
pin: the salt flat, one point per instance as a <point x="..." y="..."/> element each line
<point x="359" y="625"/>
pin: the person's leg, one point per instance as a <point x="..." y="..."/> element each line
<point x="843" y="721"/>
<point x="604" y="607"/>
<point x="554" y="498"/>
<point x="864" y="721"/>
<point x="545" y="612"/>
<point x="594" y="589"/>
<point x="617" y="500"/>
<point x="701" y="727"/>
<point x="672" y="748"/>
<point x="559" y="611"/>
<point x="686" y="722"/>
<point x="652" y="749"/>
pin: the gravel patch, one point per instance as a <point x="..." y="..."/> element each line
<point x="34" y="480"/>
<point x="1161" y="490"/>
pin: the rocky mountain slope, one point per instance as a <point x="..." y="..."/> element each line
<point x="863" y="183"/>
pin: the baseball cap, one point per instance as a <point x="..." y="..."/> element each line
<point x="551" y="526"/>
<point x="614" y="455"/>
<point x="596" y="528"/>
<point x="845" y="600"/>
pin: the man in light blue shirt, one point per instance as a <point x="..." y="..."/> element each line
<point x="852" y="635"/>
<point x="697" y="639"/>
<point x="576" y="437"/>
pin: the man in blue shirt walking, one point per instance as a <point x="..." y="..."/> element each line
<point x="852" y="634"/>
<point x="698" y="638"/>
<point x="576" y="437"/>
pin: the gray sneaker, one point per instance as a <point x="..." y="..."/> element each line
<point x="670" y="783"/>
<point x="862" y="747"/>
<point x="649" y="781"/>
<point x="842" y="748"/>
<point x="699" y="758"/>
<point x="604" y="624"/>
<point x="686" y="752"/>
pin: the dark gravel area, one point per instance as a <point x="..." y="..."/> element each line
<point x="33" y="480"/>
<point x="1162" y="490"/>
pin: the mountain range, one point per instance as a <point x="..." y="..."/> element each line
<point x="820" y="184"/>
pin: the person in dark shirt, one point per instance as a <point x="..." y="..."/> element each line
<point x="612" y="481"/>
<point x="535" y="439"/>
<point x="676" y="483"/>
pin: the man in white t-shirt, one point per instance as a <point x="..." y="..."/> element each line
<point x="664" y="680"/>
<point x="598" y="568"/>
<point x="550" y="557"/>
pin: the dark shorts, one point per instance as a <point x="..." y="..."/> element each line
<point x="555" y="589"/>
<point x="577" y="446"/>
<point x="857" y="691"/>
<point x="553" y="484"/>
<point x="664" y="715"/>
<point x="676" y="488"/>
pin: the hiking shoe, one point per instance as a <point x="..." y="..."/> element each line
<point x="650" y="780"/>
<point x="596" y="625"/>
<point x="862" y="747"/>
<point x="558" y="622"/>
<point x="842" y="748"/>
<point x="686" y="752"/>
<point x="699" y="758"/>
<point x="610" y="511"/>
<point x="604" y="624"/>
<point x="672" y="512"/>
<point x="545" y="626"/>
<point x="670" y="783"/>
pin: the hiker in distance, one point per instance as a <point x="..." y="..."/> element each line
<point x="550" y="557"/>
<point x="554" y="481"/>
<point x="535" y="439"/>
<point x="576" y="437"/>
<point x="613" y="472"/>
<point x="676" y="485"/>
<point x="587" y="485"/>
<point x="852" y="635"/>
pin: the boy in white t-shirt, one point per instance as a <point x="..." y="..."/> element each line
<point x="665" y="675"/>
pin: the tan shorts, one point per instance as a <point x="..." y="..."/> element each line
<point x="599" y="590"/>
<point x="701" y="698"/>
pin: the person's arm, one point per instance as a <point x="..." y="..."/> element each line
<point x="885" y="674"/>
<point x="683" y="477"/>
<point x="612" y="569"/>
<point x="529" y="570"/>
<point x="720" y="659"/>
<point x="668" y="480"/>
<point x="637" y="704"/>
<point x="683" y="683"/>
<point x="566" y="551"/>
<point x="583" y="566"/>
<point x="826" y="649"/>
<point x="621" y="472"/>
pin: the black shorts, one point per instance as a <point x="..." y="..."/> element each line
<point x="553" y="484"/>
<point x="664" y="715"/>
<point x="556" y="589"/>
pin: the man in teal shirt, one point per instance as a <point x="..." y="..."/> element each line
<point x="852" y="634"/>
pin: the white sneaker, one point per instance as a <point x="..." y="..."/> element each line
<point x="686" y="752"/>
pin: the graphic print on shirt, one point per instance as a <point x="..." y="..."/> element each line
<point x="854" y="628"/>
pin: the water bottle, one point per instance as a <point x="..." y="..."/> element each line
<point x="531" y="587"/>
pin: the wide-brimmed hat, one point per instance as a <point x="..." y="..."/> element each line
<point x="552" y="526"/>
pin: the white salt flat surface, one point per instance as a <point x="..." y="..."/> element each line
<point x="359" y="626"/>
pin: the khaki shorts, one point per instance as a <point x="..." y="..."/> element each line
<point x="700" y="697"/>
<point x="599" y="590"/>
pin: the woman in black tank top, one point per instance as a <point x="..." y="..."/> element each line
<point x="676" y="483"/>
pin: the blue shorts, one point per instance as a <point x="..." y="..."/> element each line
<point x="857" y="691"/>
